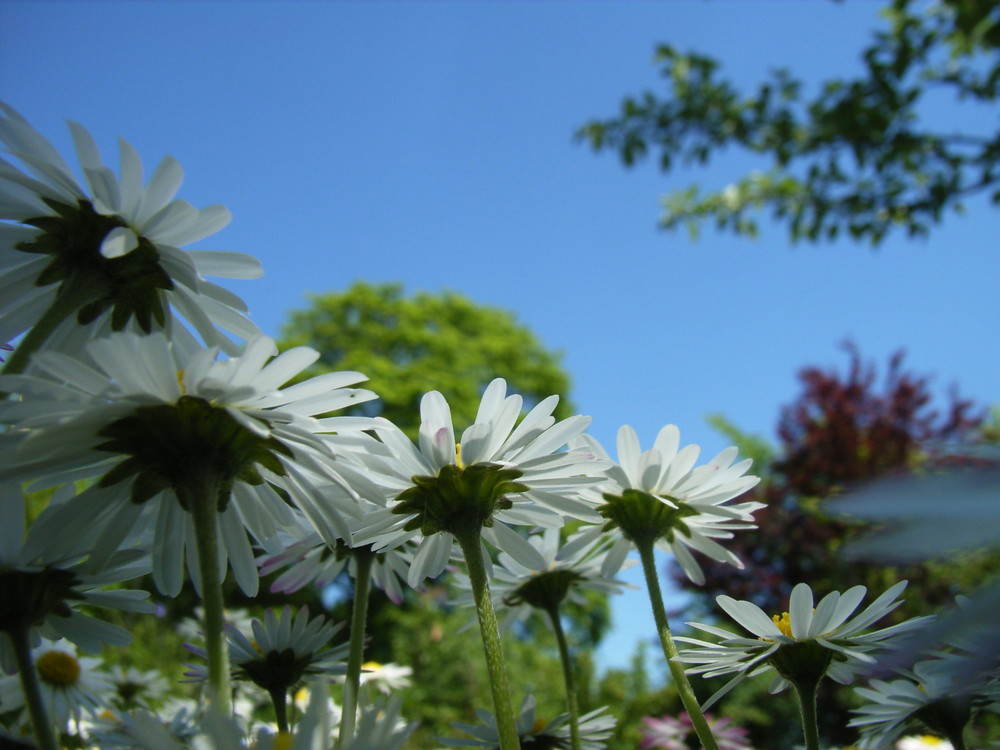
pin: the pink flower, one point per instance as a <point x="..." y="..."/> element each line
<point x="669" y="733"/>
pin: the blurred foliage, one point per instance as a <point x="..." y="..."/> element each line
<point x="409" y="345"/>
<point x="863" y="156"/>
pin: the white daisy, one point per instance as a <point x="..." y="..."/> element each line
<point x="928" y="695"/>
<point x="380" y="727"/>
<point x="147" y="416"/>
<point x="179" y="721"/>
<point x="501" y="472"/>
<point x="923" y="742"/>
<point x="385" y="677"/>
<point x="70" y="686"/>
<point x="304" y="558"/>
<point x="580" y="564"/>
<point x="281" y="653"/>
<point x="660" y="494"/>
<point x="595" y="728"/>
<point x="111" y="252"/>
<point x="136" y="688"/>
<point x="43" y="581"/>
<point x="805" y="643"/>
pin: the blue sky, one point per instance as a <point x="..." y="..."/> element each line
<point x="431" y="143"/>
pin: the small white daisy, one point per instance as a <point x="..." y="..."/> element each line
<point x="281" y="652"/>
<point x="660" y="495"/>
<point x="146" y="415"/>
<point x="503" y="471"/>
<point x="136" y="688"/>
<point x="111" y="251"/>
<point x="71" y="687"/>
<point x="380" y="726"/>
<point x="304" y="558"/>
<point x="804" y="643"/>
<point x="575" y="566"/>
<point x="595" y="728"/>
<point x="385" y="677"/>
<point x="43" y="581"/>
<point x="930" y="695"/>
<point x="923" y="742"/>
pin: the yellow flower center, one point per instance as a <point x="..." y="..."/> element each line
<point x="283" y="741"/>
<point x="784" y="623"/>
<point x="58" y="668"/>
<point x="931" y="740"/>
<point x="371" y="666"/>
<point x="538" y="726"/>
<point x="458" y="456"/>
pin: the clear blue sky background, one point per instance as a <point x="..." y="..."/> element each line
<point x="431" y="143"/>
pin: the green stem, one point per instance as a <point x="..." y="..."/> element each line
<point x="681" y="681"/>
<point x="364" y="559"/>
<point x="279" y="699"/>
<point x="44" y="735"/>
<point x="503" y="708"/>
<point x="70" y="298"/>
<point x="806" y="692"/>
<point x="201" y="497"/>
<point x="567" y="667"/>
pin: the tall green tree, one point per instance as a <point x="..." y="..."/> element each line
<point x="859" y="157"/>
<point x="408" y="345"/>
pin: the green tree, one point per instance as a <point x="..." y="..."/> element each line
<point x="410" y="345"/>
<point x="859" y="157"/>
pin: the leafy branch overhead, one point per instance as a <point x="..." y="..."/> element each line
<point x="860" y="157"/>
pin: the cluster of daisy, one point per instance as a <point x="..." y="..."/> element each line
<point x="178" y="442"/>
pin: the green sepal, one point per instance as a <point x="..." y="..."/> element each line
<point x="544" y="591"/>
<point x="802" y="663"/>
<point x="167" y="444"/>
<point x="644" y="517"/>
<point x="458" y="498"/>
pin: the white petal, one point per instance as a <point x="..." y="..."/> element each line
<point x="118" y="242"/>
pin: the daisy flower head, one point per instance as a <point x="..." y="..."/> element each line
<point x="802" y="645"/>
<point x="178" y="720"/>
<point x="43" y="581"/>
<point x="281" y="652"/>
<point x="670" y="733"/>
<point x="930" y="695"/>
<point x="659" y="496"/>
<point x="71" y="687"/>
<point x="170" y="432"/>
<point x="502" y="471"/>
<point x="923" y="742"/>
<point x="107" y="255"/>
<point x="533" y="732"/>
<point x="664" y="732"/>
<point x="385" y="677"/>
<point x="571" y="568"/>
<point x="304" y="558"/>
<point x="380" y="726"/>
<point x="136" y="688"/>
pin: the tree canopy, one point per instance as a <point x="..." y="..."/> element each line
<point x="408" y="345"/>
<point x="859" y="157"/>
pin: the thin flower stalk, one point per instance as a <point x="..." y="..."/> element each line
<point x="364" y="559"/>
<point x="490" y="632"/>
<point x="572" y="705"/>
<point x="681" y="682"/>
<point x="40" y="720"/>
<point x="201" y="496"/>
